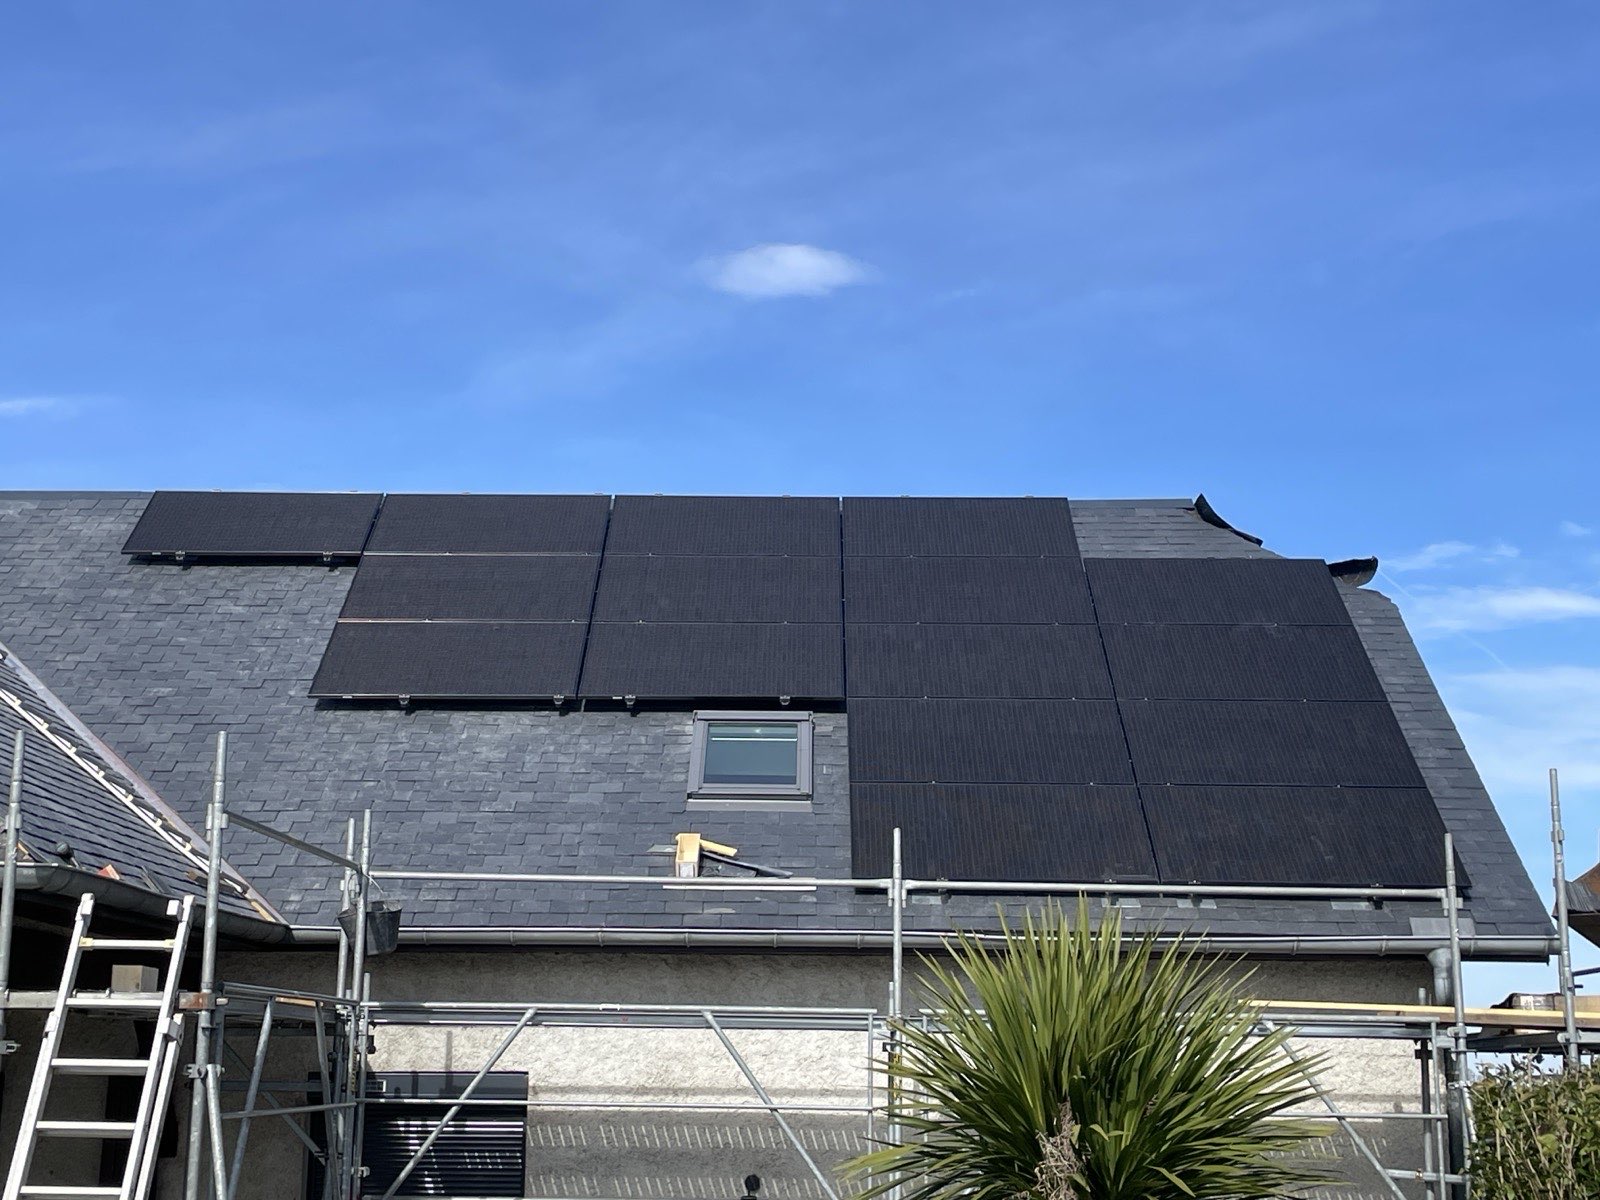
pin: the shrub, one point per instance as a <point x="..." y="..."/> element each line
<point x="1069" y="1066"/>
<point x="1536" y="1133"/>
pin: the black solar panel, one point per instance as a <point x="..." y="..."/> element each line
<point x="253" y="524"/>
<point x="451" y="659"/>
<point x="1000" y="590"/>
<point x="987" y="527"/>
<point x="1055" y="662"/>
<point x="484" y="587"/>
<point x="1061" y="834"/>
<point x="1351" y="837"/>
<point x="724" y="525"/>
<point x="987" y="741"/>
<point x="1240" y="662"/>
<point x="1215" y="591"/>
<point x="721" y="588"/>
<point x="727" y="660"/>
<point x="1268" y="742"/>
<point x="422" y="524"/>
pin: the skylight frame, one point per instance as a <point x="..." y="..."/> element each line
<point x="751" y="795"/>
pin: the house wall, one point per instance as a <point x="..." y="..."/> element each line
<point x="60" y="1160"/>
<point x="586" y="1152"/>
<point x="580" y="1152"/>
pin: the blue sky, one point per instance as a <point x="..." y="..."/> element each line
<point x="1333" y="264"/>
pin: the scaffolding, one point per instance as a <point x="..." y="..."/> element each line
<point x="342" y="1023"/>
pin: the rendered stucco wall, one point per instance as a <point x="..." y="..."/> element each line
<point x="695" y="1151"/>
<point x="705" y="1152"/>
<point x="61" y="1160"/>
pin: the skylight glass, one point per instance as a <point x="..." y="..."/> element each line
<point x="742" y="752"/>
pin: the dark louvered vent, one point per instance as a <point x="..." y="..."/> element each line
<point x="482" y="1152"/>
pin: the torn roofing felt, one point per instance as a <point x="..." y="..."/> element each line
<point x="1583" y="903"/>
<point x="83" y="808"/>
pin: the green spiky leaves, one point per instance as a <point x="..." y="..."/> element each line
<point x="1066" y="1064"/>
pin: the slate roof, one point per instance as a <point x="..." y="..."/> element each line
<point x="83" y="808"/>
<point x="156" y="657"/>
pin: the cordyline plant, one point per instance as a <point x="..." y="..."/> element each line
<point x="1066" y="1065"/>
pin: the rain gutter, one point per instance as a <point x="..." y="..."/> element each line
<point x="1531" y="949"/>
<point x="59" y="880"/>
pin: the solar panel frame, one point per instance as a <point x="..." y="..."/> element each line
<point x="425" y="523"/>
<point x="1215" y="591"/>
<point x="1268" y="742"/>
<point x="451" y="660"/>
<point x="764" y="589"/>
<point x="986" y="527"/>
<point x="1240" y="662"/>
<point x="1305" y="836"/>
<point x="1014" y="834"/>
<point x="988" y="589"/>
<point x="694" y="661"/>
<point x="1050" y="662"/>
<point x="722" y="525"/>
<point x="276" y="525"/>
<point x="473" y="587"/>
<point x="987" y="741"/>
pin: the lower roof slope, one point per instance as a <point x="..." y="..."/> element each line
<point x="156" y="658"/>
<point x="86" y="817"/>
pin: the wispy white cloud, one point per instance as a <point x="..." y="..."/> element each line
<point x="1444" y="208"/>
<point x="1487" y="607"/>
<point x="588" y="359"/>
<point x="1439" y="554"/>
<point x="32" y="406"/>
<point x="1519" y="723"/>
<point x="777" y="269"/>
<point x="1574" y="530"/>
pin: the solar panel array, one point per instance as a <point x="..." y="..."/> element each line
<point x="482" y="524"/>
<point x="1022" y="713"/>
<point x="469" y="598"/>
<point x="718" y="596"/>
<point x="1264" y="749"/>
<point x="982" y="716"/>
<point x="276" y="525"/>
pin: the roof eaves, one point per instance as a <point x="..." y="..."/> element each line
<point x="58" y="879"/>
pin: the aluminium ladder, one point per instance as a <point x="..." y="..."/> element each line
<point x="157" y="1070"/>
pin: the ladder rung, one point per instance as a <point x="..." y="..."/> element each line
<point x="100" y="1066"/>
<point x="117" y="1000"/>
<point x="54" y="1189"/>
<point x="86" y="1129"/>
<point x="96" y="943"/>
